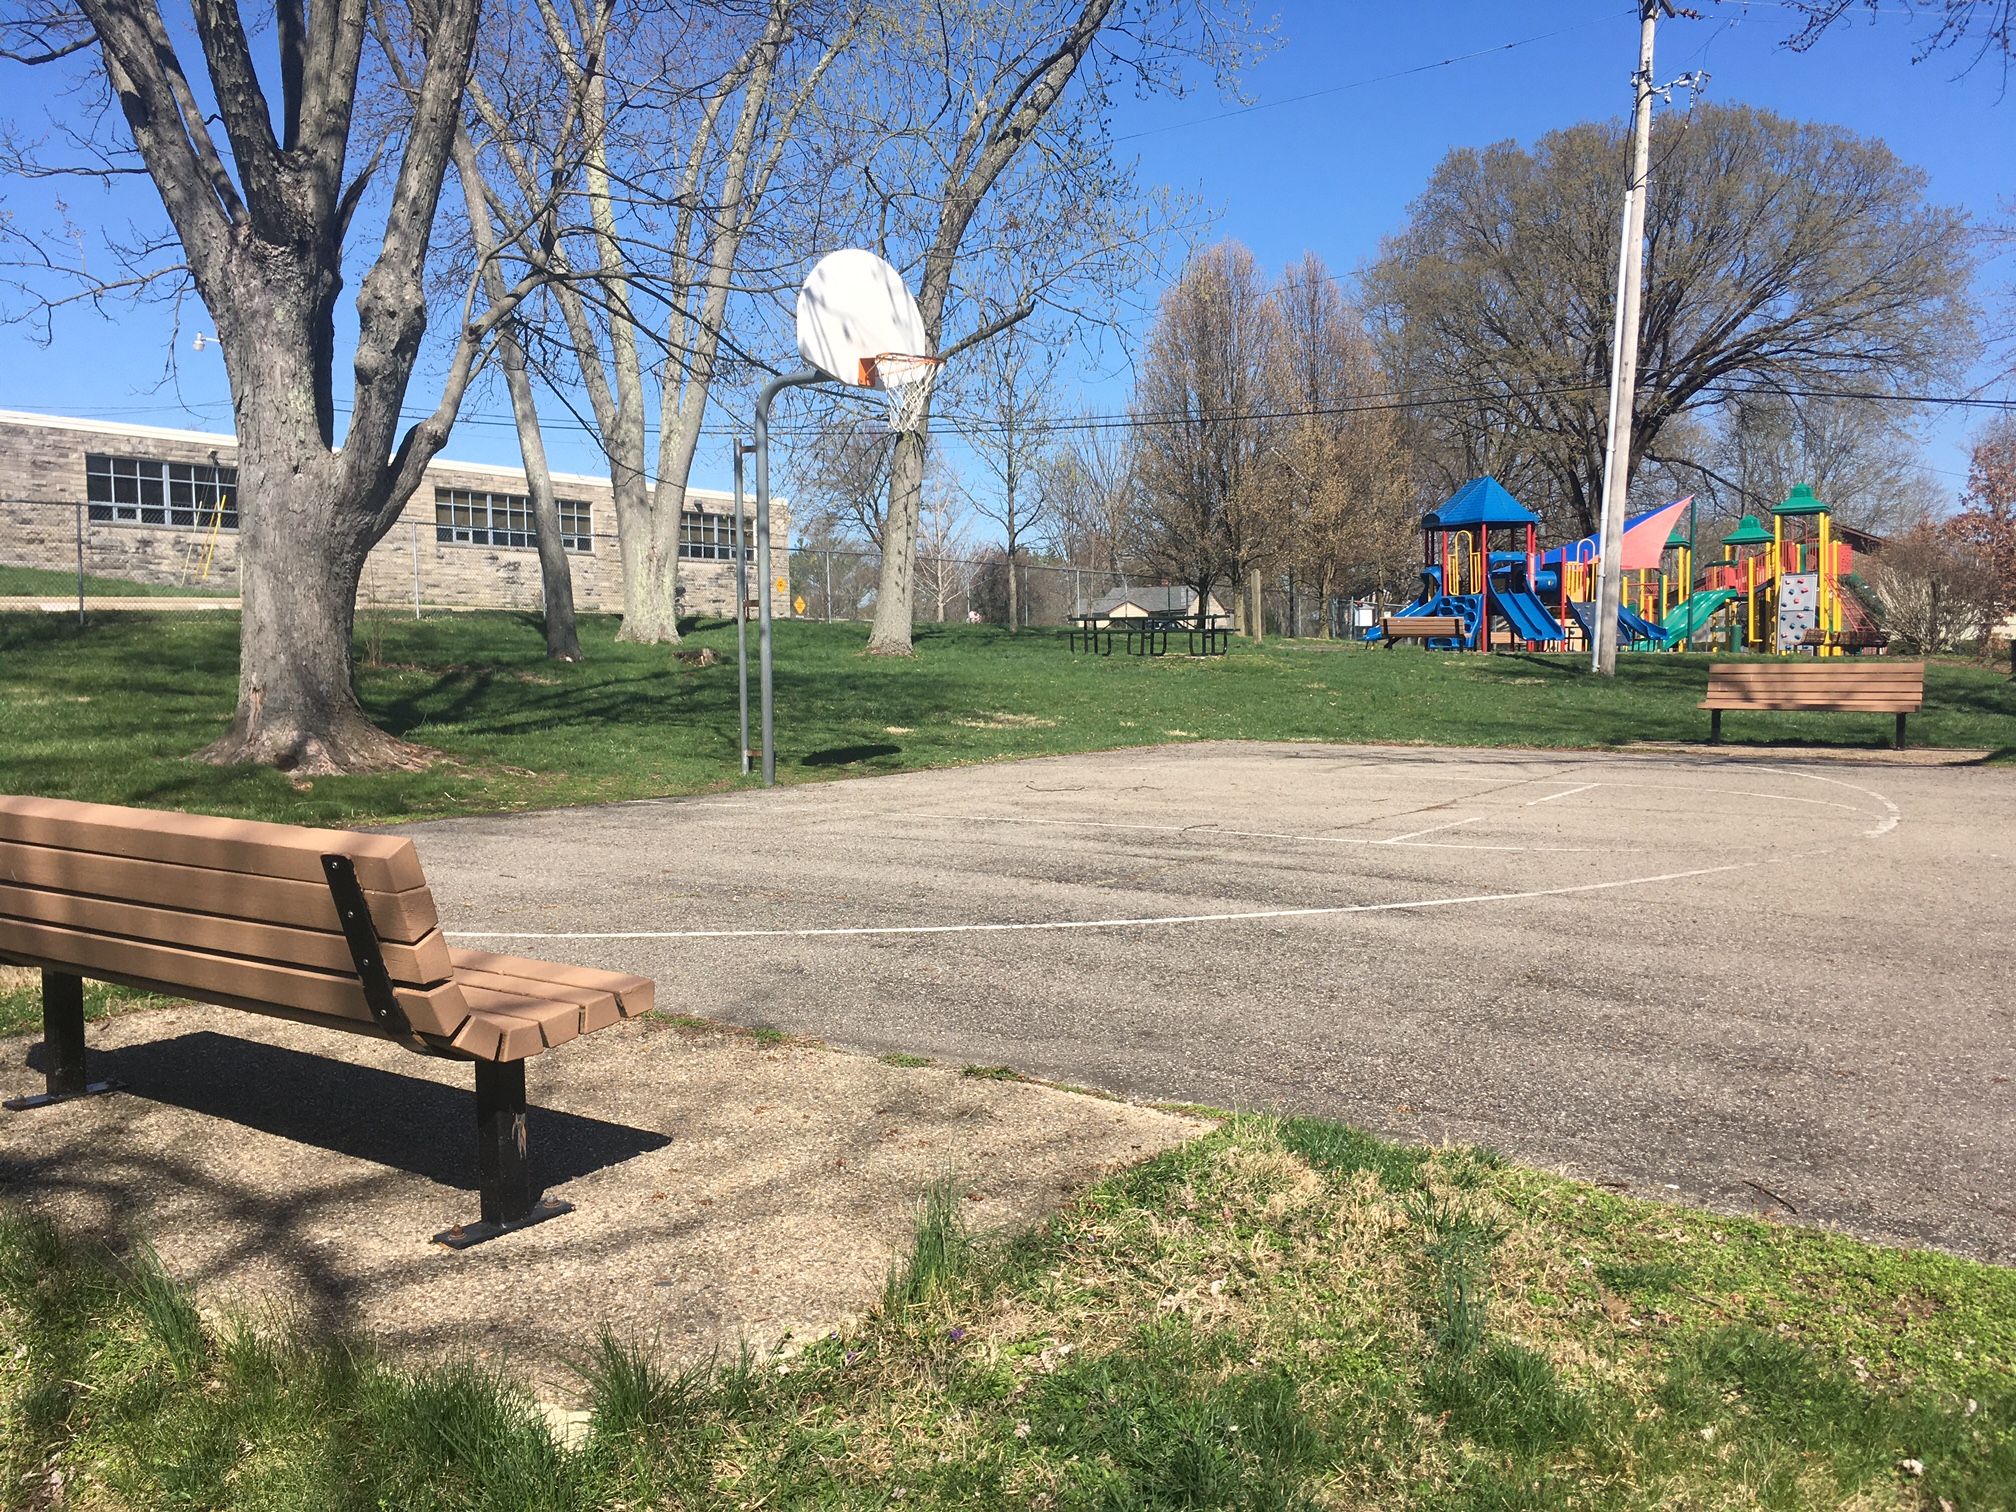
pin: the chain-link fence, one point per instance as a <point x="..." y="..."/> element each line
<point x="62" y="554"/>
<point x="75" y="556"/>
<point x="841" y="583"/>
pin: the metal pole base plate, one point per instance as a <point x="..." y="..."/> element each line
<point x="463" y="1235"/>
<point x="45" y="1099"/>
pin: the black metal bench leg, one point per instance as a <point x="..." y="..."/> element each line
<point x="62" y="1045"/>
<point x="1714" y="727"/>
<point x="1899" y="742"/>
<point x="504" y="1177"/>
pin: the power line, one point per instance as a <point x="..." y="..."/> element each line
<point x="1365" y="83"/>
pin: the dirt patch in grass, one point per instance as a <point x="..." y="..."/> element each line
<point x="728" y="1187"/>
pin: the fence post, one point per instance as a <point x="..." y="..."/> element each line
<point x="416" y="569"/>
<point x="80" y="566"/>
<point x="826" y="563"/>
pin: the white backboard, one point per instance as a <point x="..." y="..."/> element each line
<point x="855" y="306"/>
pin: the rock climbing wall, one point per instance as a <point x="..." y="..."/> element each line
<point x="1798" y="608"/>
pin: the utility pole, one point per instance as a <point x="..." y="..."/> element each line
<point x="1624" y="357"/>
<point x="1624" y="338"/>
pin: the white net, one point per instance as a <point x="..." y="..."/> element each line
<point x="906" y="381"/>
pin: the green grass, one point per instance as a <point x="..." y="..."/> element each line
<point x="43" y="582"/>
<point x="113" y="710"/>
<point x="21" y="1000"/>
<point x="1277" y="1315"/>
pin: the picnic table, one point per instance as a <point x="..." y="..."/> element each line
<point x="1149" y="635"/>
<point x="1089" y="628"/>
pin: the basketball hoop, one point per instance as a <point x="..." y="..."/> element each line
<point x="906" y="379"/>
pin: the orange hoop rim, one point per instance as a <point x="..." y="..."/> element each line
<point x="877" y="370"/>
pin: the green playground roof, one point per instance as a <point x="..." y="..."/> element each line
<point x="1749" y="531"/>
<point x="1801" y="501"/>
<point x="1678" y="538"/>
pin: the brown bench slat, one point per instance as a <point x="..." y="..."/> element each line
<point x="421" y="964"/>
<point x="431" y="1010"/>
<point x="403" y="917"/>
<point x="634" y="994"/>
<point x="1815" y="671"/>
<point x="1424" y="626"/>
<point x="386" y="863"/>
<point x="593" y="1010"/>
<point x="498" y="1037"/>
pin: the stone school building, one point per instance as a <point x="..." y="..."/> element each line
<point x="147" y="504"/>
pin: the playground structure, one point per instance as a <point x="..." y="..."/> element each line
<point x="1783" y="589"/>
<point x="1465" y="578"/>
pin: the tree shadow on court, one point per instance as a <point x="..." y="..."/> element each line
<point x="835" y="756"/>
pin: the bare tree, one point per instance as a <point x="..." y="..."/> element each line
<point x="945" y="546"/>
<point x="1935" y="591"/>
<point x="1745" y="456"/>
<point x="1092" y="482"/>
<point x="686" y="132"/>
<point x="261" y="220"/>
<point x="1209" y="510"/>
<point x="995" y="183"/>
<point x="1977" y="29"/>
<point x="556" y="574"/>
<point x="1005" y="417"/>
<point x="545" y="122"/>
<point x="1781" y="256"/>
<point x="1339" y="465"/>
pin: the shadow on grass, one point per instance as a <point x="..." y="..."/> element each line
<point x="848" y="755"/>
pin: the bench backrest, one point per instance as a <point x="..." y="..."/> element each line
<point x="1423" y="624"/>
<point x="1877" y="687"/>
<point x="230" y="911"/>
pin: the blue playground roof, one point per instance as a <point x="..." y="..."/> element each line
<point x="1481" y="501"/>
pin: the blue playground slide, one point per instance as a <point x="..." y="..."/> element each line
<point x="1633" y="627"/>
<point x="1527" y="616"/>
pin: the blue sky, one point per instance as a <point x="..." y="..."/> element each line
<point x="1333" y="172"/>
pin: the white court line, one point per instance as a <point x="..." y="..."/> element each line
<point x="1892" y="817"/>
<point x="1431" y="830"/>
<point x="1052" y="924"/>
<point x="1567" y="793"/>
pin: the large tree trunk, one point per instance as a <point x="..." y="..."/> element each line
<point x="890" y="634"/>
<point x="649" y="544"/>
<point x="299" y="565"/>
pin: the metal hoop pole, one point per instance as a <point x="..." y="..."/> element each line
<point x="770" y="391"/>
<point x="741" y="612"/>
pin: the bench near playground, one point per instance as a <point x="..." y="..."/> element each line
<point x="1835" y="687"/>
<point x="325" y="927"/>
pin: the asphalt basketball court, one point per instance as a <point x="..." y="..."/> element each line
<point x="1774" y="985"/>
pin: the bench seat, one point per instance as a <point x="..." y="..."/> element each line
<point x="328" y="927"/>
<point x="1422" y="627"/>
<point x="1884" y="687"/>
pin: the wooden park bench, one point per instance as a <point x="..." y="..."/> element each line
<point x="1421" y="627"/>
<point x="1885" y="687"/>
<point x="321" y="926"/>
<point x="1854" y="642"/>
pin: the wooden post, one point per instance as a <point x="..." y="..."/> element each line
<point x="1259" y="606"/>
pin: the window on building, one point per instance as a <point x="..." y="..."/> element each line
<point x="473" y="517"/>
<point x="143" y="491"/>
<point x="710" y="537"/>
